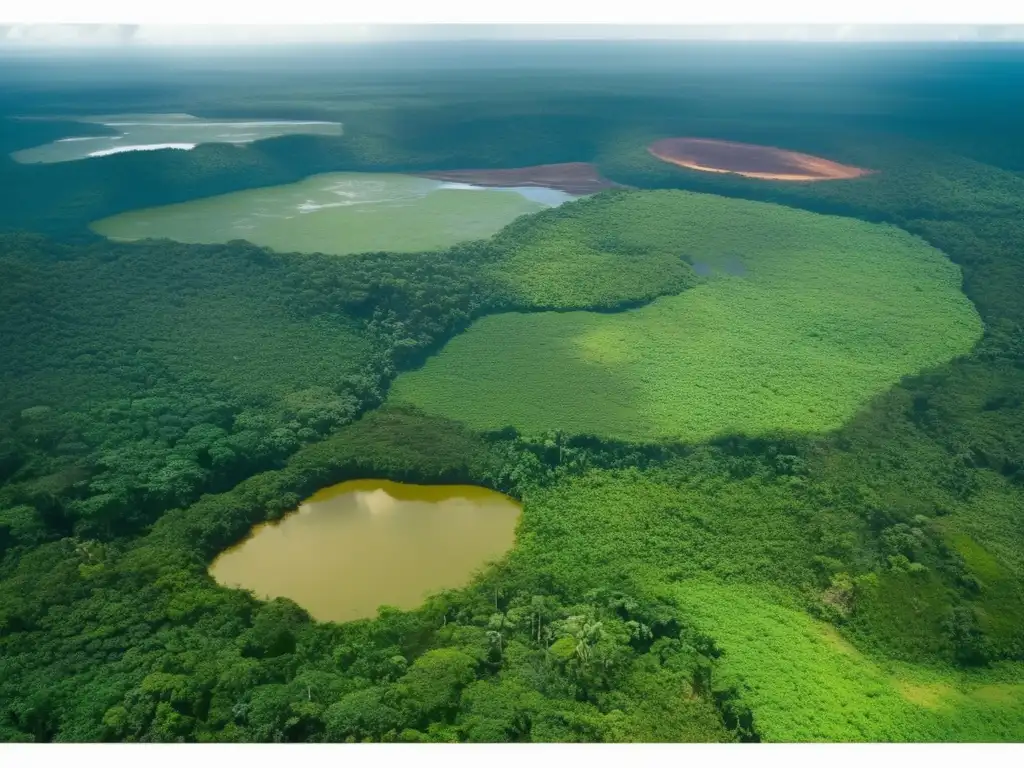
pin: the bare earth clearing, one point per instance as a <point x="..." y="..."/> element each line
<point x="750" y="160"/>
<point x="573" y="178"/>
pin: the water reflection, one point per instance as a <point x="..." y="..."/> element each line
<point x="358" y="545"/>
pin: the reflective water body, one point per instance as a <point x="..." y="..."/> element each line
<point x="544" y="195"/>
<point x="175" y="131"/>
<point x="339" y="213"/>
<point x="358" y="545"/>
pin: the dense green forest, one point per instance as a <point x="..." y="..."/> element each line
<point x="854" y="576"/>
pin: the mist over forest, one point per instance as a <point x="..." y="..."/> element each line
<point x="754" y="399"/>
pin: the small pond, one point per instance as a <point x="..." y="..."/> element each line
<point x="729" y="264"/>
<point x="365" y="543"/>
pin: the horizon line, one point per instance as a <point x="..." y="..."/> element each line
<point x="66" y="36"/>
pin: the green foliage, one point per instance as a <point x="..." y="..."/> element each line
<point x="607" y="527"/>
<point x="362" y="715"/>
<point x="138" y="376"/>
<point x="430" y="689"/>
<point x="595" y="254"/>
<point x="904" y="612"/>
<point x="824" y="313"/>
<point x="662" y="702"/>
<point x="385" y="443"/>
<point x="861" y="585"/>
<point x="996" y="590"/>
<point x="805" y="683"/>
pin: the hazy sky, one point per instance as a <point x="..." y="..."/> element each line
<point x="153" y="34"/>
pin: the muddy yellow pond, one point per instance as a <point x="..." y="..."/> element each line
<point x="358" y="545"/>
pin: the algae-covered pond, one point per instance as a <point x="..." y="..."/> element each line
<point x="358" y="545"/>
<point x="340" y="213"/>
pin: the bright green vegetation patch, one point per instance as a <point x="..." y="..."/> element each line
<point x="336" y="213"/>
<point x="596" y="253"/>
<point x="805" y="683"/>
<point x="738" y="557"/>
<point x="989" y="530"/>
<point x="802" y="319"/>
<point x="608" y="527"/>
<point x="986" y="534"/>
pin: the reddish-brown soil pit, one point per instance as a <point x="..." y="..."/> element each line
<point x="574" y="178"/>
<point x="751" y="160"/>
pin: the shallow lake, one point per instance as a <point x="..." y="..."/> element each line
<point x="358" y="545"/>
<point x="340" y="213"/>
<point x="142" y="132"/>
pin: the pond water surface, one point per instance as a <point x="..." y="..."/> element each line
<point x="365" y="543"/>
<point x="340" y="213"/>
<point x="728" y="264"/>
<point x="162" y="131"/>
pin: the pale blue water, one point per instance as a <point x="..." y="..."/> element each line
<point x="543" y="195"/>
<point x="150" y="132"/>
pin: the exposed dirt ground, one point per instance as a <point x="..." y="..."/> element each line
<point x="750" y="160"/>
<point x="574" y="178"/>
